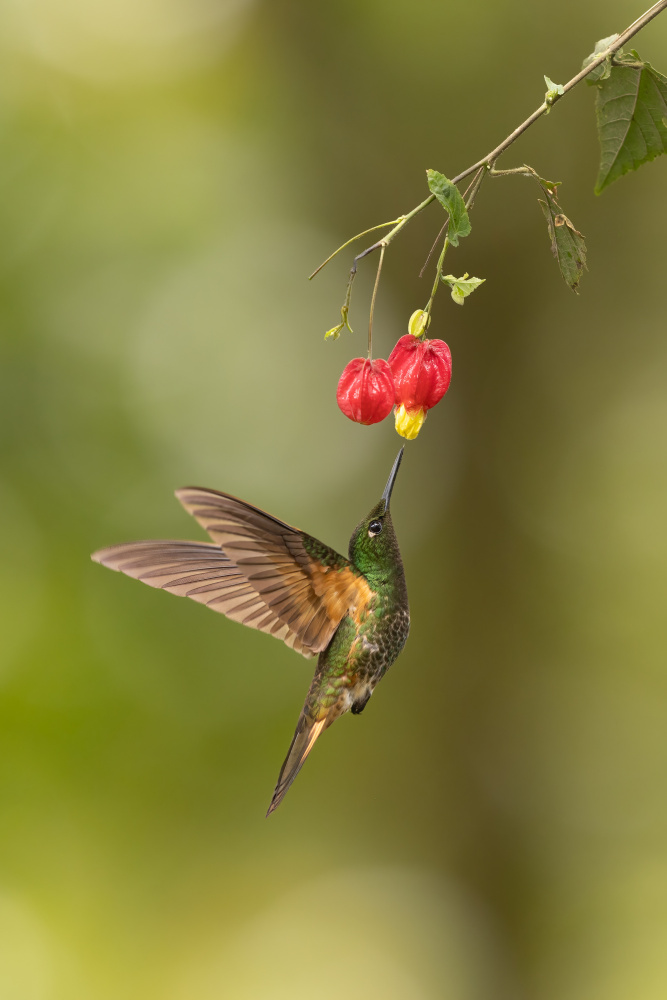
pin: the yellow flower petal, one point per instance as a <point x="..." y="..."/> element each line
<point x="409" y="422"/>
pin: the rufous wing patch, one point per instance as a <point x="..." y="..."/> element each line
<point x="343" y="591"/>
<point x="309" y="596"/>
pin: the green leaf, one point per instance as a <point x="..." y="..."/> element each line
<point x="450" y="198"/>
<point x="602" y="71"/>
<point x="462" y="287"/>
<point x="567" y="243"/>
<point x="631" y="112"/>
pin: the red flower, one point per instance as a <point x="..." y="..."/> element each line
<point x="422" y="371"/>
<point x="366" y="390"/>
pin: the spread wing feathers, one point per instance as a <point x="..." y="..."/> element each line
<point x="303" y="742"/>
<point x="201" y="571"/>
<point x="307" y="585"/>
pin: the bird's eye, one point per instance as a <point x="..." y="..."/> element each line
<point x="374" y="528"/>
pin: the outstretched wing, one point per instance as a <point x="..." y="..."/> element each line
<point x="201" y="571"/>
<point x="267" y="575"/>
<point x="305" y="584"/>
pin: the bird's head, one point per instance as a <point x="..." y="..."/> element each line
<point x="373" y="546"/>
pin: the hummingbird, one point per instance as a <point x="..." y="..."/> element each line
<point x="351" y="613"/>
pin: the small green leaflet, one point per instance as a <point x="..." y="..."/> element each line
<point x="602" y="71"/>
<point x="450" y="198"/>
<point x="567" y="244"/>
<point x="462" y="287"/>
<point x="631" y="113"/>
<point x="334" y="332"/>
<point x="554" y="91"/>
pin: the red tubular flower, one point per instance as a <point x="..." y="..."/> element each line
<point x="366" y="390"/>
<point x="422" y="371"/>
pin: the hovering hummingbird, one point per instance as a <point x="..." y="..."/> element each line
<point x="263" y="573"/>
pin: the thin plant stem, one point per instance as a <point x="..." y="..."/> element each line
<point x="487" y="161"/>
<point x="475" y="186"/>
<point x="480" y="169"/>
<point x="617" y="44"/>
<point x="375" y="291"/>
<point x="436" y="283"/>
<point x="442" y="229"/>
<point x="353" y="238"/>
<point x="524" y="171"/>
<point x="400" y="223"/>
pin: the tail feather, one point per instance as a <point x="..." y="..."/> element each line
<point x="307" y="731"/>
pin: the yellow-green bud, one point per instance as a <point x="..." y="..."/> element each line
<point x="418" y="322"/>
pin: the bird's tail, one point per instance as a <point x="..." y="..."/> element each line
<point x="307" y="731"/>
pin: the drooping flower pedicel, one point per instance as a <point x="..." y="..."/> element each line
<point x="422" y="371"/>
<point x="366" y="390"/>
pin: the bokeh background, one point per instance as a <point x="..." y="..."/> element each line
<point x="495" y="825"/>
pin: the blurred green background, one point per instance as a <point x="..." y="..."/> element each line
<point x="496" y="824"/>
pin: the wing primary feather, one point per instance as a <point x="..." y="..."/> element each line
<point x="257" y="570"/>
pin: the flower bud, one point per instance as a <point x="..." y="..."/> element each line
<point x="418" y="322"/>
<point x="422" y="371"/>
<point x="366" y="390"/>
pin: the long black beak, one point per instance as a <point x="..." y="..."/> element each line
<point x="386" y="496"/>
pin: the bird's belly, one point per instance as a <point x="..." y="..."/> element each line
<point x="357" y="659"/>
<point x="374" y="657"/>
<point x="381" y="646"/>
